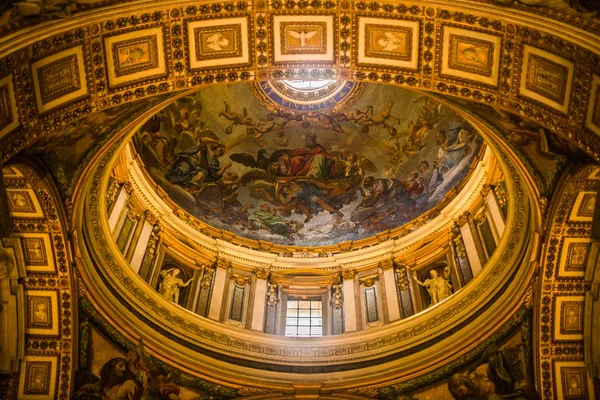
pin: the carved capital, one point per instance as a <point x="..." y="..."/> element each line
<point x="221" y="263"/>
<point x="486" y="189"/>
<point x="480" y="217"/>
<point x="370" y="281"/>
<point x="240" y="280"/>
<point x="348" y="274"/>
<point x="150" y="217"/>
<point x="128" y="187"/>
<point x="387" y="264"/>
<point x="261" y="273"/>
<point x="463" y="219"/>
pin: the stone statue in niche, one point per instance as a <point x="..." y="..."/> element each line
<point x="438" y="287"/>
<point x="171" y="284"/>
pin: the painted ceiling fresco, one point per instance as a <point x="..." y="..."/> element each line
<point x="543" y="153"/>
<point x="312" y="177"/>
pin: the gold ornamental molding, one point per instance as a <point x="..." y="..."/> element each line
<point x="508" y="52"/>
<point x="229" y="354"/>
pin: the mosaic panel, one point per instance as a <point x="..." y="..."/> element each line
<point x="573" y="257"/>
<point x="9" y="117"/>
<point x="593" y="116"/>
<point x="135" y="56"/>
<point x="37" y="249"/>
<point x="59" y="78"/>
<point x="24" y="203"/>
<point x="37" y="380"/>
<point x="388" y="42"/>
<point x="546" y="78"/>
<point x="215" y="42"/>
<point x="308" y="37"/>
<point x="42" y="312"/>
<point x="303" y="38"/>
<point x="568" y="324"/>
<point x="11" y="172"/>
<point x="471" y="55"/>
<point x="583" y="210"/>
<point x="222" y="42"/>
<point x="572" y="381"/>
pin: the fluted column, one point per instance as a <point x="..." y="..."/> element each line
<point x="495" y="213"/>
<point x="142" y="243"/>
<point x="216" y="298"/>
<point x="470" y="243"/>
<point x="115" y="212"/>
<point x="390" y="293"/>
<point x="350" y="294"/>
<point x="259" y="289"/>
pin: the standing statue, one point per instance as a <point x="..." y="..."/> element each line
<point x="438" y="287"/>
<point x="171" y="284"/>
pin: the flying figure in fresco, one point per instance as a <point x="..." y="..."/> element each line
<point x="267" y="169"/>
<point x="235" y="117"/>
<point x="367" y="119"/>
<point x="198" y="165"/>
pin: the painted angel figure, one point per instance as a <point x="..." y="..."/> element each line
<point x="438" y="287"/>
<point x="171" y="284"/>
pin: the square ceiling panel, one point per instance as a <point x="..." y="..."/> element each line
<point x="59" y="78"/>
<point x="220" y="42"/>
<point x="546" y="77"/>
<point x="299" y="38"/>
<point x="470" y="54"/>
<point x="593" y="116"/>
<point x="9" y="117"/>
<point x="134" y="56"/>
<point x="390" y="42"/>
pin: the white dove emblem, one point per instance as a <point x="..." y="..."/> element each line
<point x="390" y="42"/>
<point x="302" y="36"/>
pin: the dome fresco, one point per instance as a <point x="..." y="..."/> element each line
<point x="307" y="178"/>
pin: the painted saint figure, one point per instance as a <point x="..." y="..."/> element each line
<point x="438" y="287"/>
<point x="171" y="284"/>
<point x="198" y="165"/>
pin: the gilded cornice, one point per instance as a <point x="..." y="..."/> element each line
<point x="196" y="333"/>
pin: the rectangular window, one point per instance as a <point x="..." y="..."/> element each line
<point x="304" y="318"/>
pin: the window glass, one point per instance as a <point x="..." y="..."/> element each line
<point x="304" y="318"/>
